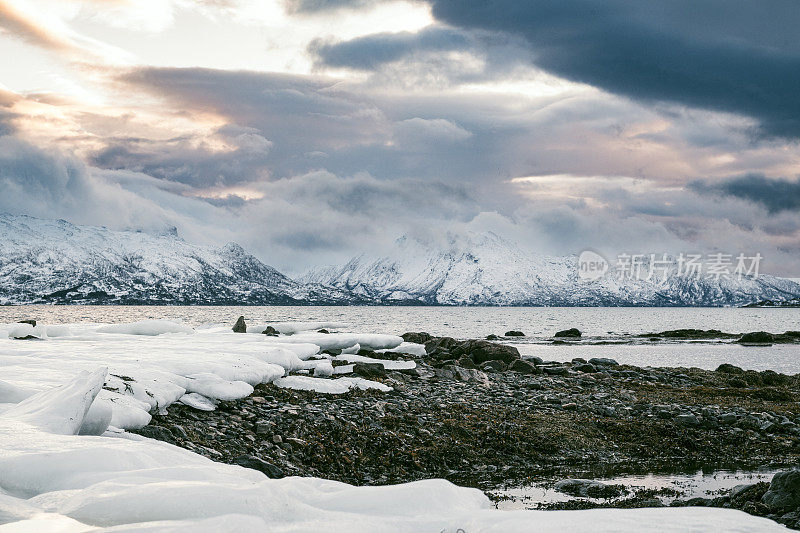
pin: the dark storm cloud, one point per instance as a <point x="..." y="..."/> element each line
<point x="734" y="56"/>
<point x="775" y="195"/>
<point x="371" y="51"/>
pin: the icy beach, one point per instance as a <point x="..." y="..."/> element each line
<point x="69" y="392"/>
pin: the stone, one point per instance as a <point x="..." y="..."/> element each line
<point x="603" y="361"/>
<point x="369" y="370"/>
<point x="784" y="491"/>
<point x="756" y="337"/>
<point x="585" y="367"/>
<point x="494" y="366"/>
<point x="439" y="345"/>
<point x="240" y="326"/>
<point x="524" y="367"/>
<point x="726" y="368"/>
<point x="270" y="332"/>
<point x="588" y="488"/>
<point x="418" y="338"/>
<point x="514" y="333"/>
<point x="481" y="351"/>
<point x="492" y="337"/>
<point x="28" y="321"/>
<point x="571" y="332"/>
<point x="158" y="433"/>
<point x="556" y="370"/>
<point x="323" y="330"/>
<point x="255" y="463"/>
<point x="687" y="419"/>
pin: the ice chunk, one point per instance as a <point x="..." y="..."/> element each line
<point x="198" y="401"/>
<point x="388" y="364"/>
<point x="60" y="409"/>
<point x="323" y="369"/>
<point x="329" y="386"/>
<point x="411" y="348"/>
<point x="212" y="386"/>
<point x="333" y="341"/>
<point x="97" y="419"/>
<point x="146" y="327"/>
<point x="353" y="349"/>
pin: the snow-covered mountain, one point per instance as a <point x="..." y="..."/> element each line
<point x="53" y="261"/>
<point x="484" y="269"/>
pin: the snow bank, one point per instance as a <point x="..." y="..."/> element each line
<point x="338" y="341"/>
<point x="52" y="478"/>
<point x="411" y="348"/>
<point x="290" y="328"/>
<point x="329" y="386"/>
<point x="388" y="364"/>
<point x="146" y="327"/>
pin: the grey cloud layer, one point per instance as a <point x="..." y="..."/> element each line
<point x="737" y="56"/>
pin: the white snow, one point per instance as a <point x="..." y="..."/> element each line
<point x="58" y="474"/>
<point x="411" y="348"/>
<point x="333" y="341"/>
<point x="388" y="364"/>
<point x="329" y="386"/>
<point x="290" y="328"/>
<point x="146" y="327"/>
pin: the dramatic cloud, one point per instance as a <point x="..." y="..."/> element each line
<point x="775" y="195"/>
<point x="734" y="56"/>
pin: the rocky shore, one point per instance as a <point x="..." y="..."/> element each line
<point x="476" y="413"/>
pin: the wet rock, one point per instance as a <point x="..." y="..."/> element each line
<point x="556" y="370"/>
<point x="418" y="338"/>
<point x="494" y="366"/>
<point x="369" y="370"/>
<point x="157" y="432"/>
<point x="514" y="333"/>
<point x="729" y="369"/>
<point x="481" y="351"/>
<point x="687" y="419"/>
<point x="270" y="332"/>
<point x="240" y="326"/>
<point x="28" y="321"/>
<point x="439" y="345"/>
<point x="756" y="337"/>
<point x="585" y="367"/>
<point x="524" y="367"/>
<point x="466" y="362"/>
<point x="492" y="337"/>
<point x="784" y="491"/>
<point x="255" y="463"/>
<point x="603" y="361"/>
<point x="571" y="332"/>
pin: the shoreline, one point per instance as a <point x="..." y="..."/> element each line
<point x="495" y="428"/>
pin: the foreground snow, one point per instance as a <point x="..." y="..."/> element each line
<point x="53" y="479"/>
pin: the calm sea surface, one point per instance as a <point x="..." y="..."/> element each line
<point x="598" y="324"/>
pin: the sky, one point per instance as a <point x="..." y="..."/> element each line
<point x="309" y="131"/>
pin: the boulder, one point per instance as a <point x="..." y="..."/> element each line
<point x="270" y="332"/>
<point x="557" y="370"/>
<point x="369" y="370"/>
<point x="494" y="366"/>
<point x="524" y="367"/>
<point x="514" y="333"/>
<point x="323" y="330"/>
<point x="603" y="361"/>
<point x="438" y="345"/>
<point x="481" y="351"/>
<point x="756" y="337"/>
<point x="492" y="337"/>
<point x="240" y="326"/>
<point x="28" y="321"/>
<point x="585" y="367"/>
<point x="726" y="368"/>
<point x="418" y="338"/>
<point x="572" y="332"/>
<point x="255" y="463"/>
<point x="784" y="491"/>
